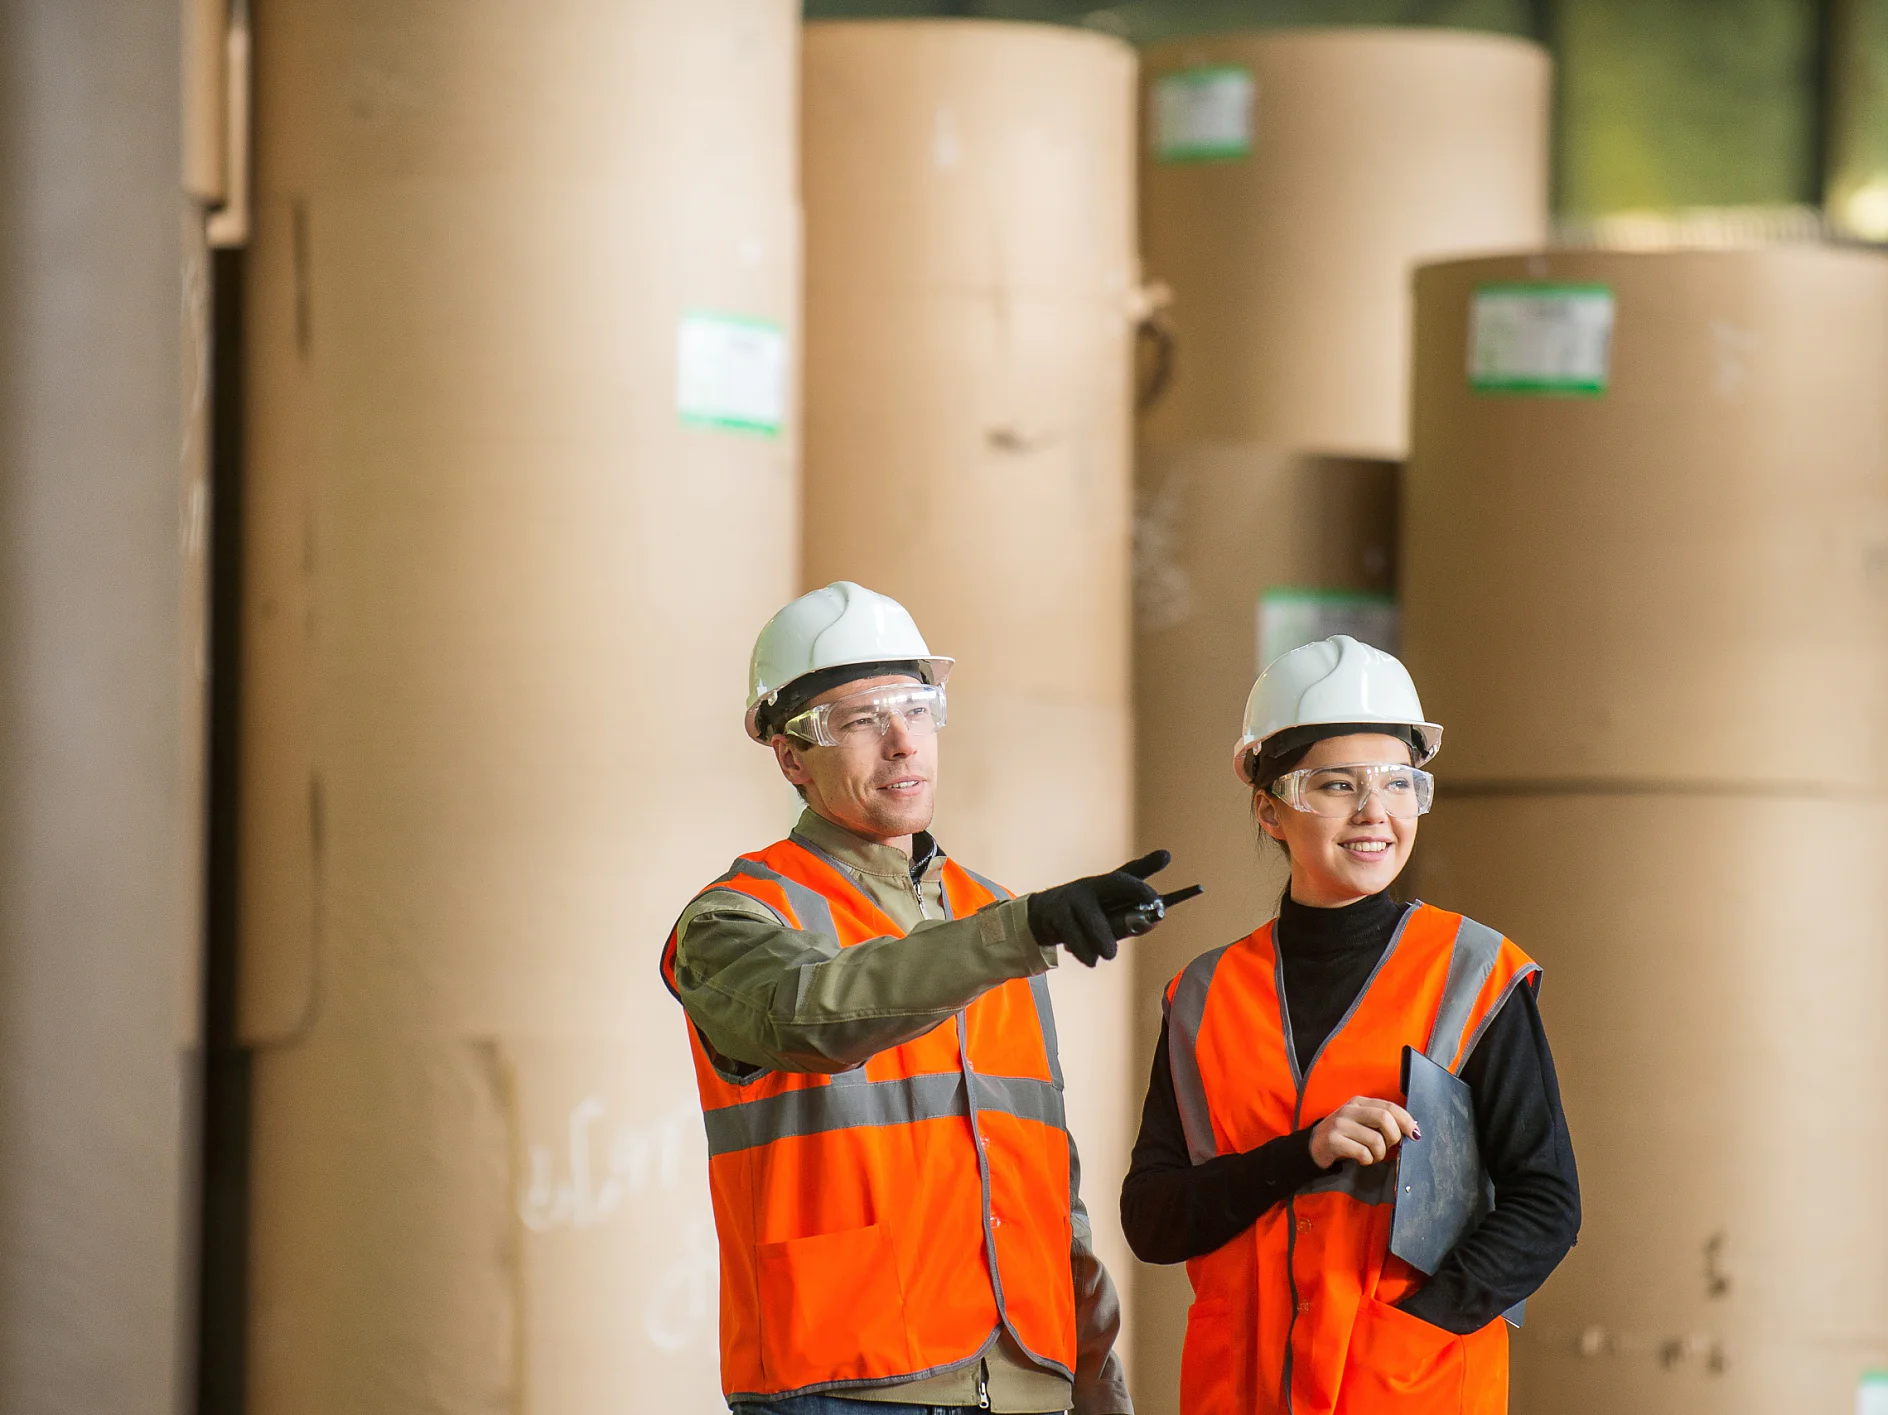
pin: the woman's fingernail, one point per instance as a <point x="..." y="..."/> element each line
<point x="1416" y="1132"/>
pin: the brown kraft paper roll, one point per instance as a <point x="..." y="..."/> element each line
<point x="971" y="290"/>
<point x="1288" y="234"/>
<point x="522" y="489"/>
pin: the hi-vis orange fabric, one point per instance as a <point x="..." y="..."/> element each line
<point x="1296" y="1314"/>
<point x="885" y="1222"/>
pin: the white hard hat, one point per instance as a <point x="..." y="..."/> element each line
<point x="841" y="624"/>
<point x="1334" y="681"/>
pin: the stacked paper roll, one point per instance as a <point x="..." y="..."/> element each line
<point x="104" y="366"/>
<point x="970" y="298"/>
<point x="1646" y="525"/>
<point x="1291" y="182"/>
<point x="521" y="490"/>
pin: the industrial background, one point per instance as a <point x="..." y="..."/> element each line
<point x="410" y="411"/>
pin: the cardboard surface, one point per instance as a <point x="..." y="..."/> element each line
<point x="1714" y="987"/>
<point x="1216" y="526"/>
<point x="103" y="389"/>
<point x="510" y="1223"/>
<point x="1667" y="581"/>
<point x="1369" y="151"/>
<point x="496" y="583"/>
<point x="502" y="581"/>
<point x="970" y="266"/>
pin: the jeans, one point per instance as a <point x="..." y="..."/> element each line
<point x="840" y="1405"/>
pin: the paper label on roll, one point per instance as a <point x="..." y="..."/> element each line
<point x="1203" y="115"/>
<point x="1538" y="338"/>
<point x="731" y="372"/>
<point x="1871" y="1393"/>
<point x="1291" y="617"/>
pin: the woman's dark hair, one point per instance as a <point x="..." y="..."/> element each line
<point x="1284" y="750"/>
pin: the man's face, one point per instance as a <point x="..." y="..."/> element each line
<point x="879" y="788"/>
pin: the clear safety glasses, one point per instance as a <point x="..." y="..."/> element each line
<point x="868" y="716"/>
<point x="1342" y="791"/>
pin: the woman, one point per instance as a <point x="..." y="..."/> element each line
<point x="1266" y="1154"/>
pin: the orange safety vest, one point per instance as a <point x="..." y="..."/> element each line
<point x="1296" y="1314"/>
<point x="884" y="1223"/>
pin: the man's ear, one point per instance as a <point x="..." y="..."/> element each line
<point x="1265" y="812"/>
<point x="792" y="765"/>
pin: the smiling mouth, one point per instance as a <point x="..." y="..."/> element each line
<point x="1367" y="848"/>
<point x="904" y="783"/>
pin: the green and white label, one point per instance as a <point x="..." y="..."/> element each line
<point x="1536" y="338"/>
<point x="731" y="372"/>
<point x="1289" y="618"/>
<point x="1203" y="115"/>
<point x="1871" y="1393"/>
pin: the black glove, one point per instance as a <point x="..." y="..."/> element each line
<point x="1089" y="916"/>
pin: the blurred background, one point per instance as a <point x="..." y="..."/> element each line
<point x="410" y="412"/>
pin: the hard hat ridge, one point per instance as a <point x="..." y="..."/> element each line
<point x="839" y="625"/>
<point x="1333" y="682"/>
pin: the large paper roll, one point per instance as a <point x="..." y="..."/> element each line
<point x="1646" y="524"/>
<point x="521" y="491"/>
<point x="1714" y="987"/>
<point x="104" y="367"/>
<point x="970" y="289"/>
<point x="1292" y="180"/>
<point x="1239" y="550"/>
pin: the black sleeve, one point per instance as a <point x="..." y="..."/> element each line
<point x="1173" y="1209"/>
<point x="1529" y="1156"/>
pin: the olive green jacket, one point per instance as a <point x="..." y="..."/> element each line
<point x="768" y="997"/>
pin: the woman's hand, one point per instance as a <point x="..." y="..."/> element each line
<point x="1363" y="1129"/>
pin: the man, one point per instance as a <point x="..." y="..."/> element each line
<point x="895" y="1192"/>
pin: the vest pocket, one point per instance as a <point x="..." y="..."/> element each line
<point x="1207" y="1359"/>
<point x="1401" y="1363"/>
<point x="831" y="1309"/>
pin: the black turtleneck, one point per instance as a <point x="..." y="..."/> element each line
<point x="1173" y="1209"/>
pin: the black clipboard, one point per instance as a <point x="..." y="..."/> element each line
<point x="1442" y="1190"/>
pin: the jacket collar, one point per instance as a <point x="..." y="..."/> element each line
<point x="868" y="857"/>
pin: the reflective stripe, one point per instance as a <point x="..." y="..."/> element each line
<point x="1184" y="1015"/>
<point x="1045" y="1018"/>
<point x="1533" y="970"/>
<point x="846" y="1103"/>
<point x="1022" y="1096"/>
<point x="1476" y="948"/>
<point x="808" y="905"/>
<point x="815" y="1110"/>
<point x="1368" y="1184"/>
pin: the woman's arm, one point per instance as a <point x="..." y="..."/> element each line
<point x="1173" y="1209"/>
<point x="1529" y="1155"/>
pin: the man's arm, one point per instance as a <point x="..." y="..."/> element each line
<point x="775" y="998"/>
<point x="1101" y="1386"/>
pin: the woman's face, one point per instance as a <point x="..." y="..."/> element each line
<point x="1337" y="860"/>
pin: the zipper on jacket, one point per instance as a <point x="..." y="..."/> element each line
<point x="983" y="1389"/>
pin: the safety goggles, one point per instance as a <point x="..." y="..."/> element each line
<point x="1339" y="792"/>
<point x="868" y="716"/>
